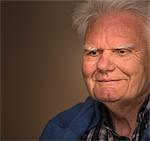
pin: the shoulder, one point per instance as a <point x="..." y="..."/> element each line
<point x="70" y="123"/>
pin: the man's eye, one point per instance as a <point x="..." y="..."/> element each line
<point x="93" y="53"/>
<point x="122" y="51"/>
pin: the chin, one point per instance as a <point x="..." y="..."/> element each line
<point x="108" y="96"/>
<point x="106" y="99"/>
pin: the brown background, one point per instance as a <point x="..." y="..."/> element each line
<point x="41" y="59"/>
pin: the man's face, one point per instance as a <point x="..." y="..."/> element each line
<point x="114" y="58"/>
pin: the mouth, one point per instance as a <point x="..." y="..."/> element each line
<point x="109" y="80"/>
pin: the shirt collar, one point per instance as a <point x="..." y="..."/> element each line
<point x="144" y="110"/>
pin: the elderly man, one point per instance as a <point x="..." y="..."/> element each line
<point x="116" y="35"/>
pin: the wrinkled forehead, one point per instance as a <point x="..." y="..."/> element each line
<point x="124" y="18"/>
<point x="116" y="28"/>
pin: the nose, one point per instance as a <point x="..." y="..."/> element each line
<point x="105" y="63"/>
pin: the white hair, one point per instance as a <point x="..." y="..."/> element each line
<point x="89" y="9"/>
<point x="84" y="13"/>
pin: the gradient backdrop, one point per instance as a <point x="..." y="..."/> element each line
<point x="41" y="60"/>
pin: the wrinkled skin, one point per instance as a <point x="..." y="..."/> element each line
<point x="114" y="59"/>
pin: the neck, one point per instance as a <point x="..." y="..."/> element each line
<point x="124" y="125"/>
<point x="124" y="116"/>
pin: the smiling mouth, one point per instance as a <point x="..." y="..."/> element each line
<point x="109" y="81"/>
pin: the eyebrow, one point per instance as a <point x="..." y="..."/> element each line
<point x="89" y="48"/>
<point x="125" y="46"/>
<point x="131" y="46"/>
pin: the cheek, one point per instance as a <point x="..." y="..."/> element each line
<point x="134" y="69"/>
<point x="134" y="65"/>
<point x="88" y="68"/>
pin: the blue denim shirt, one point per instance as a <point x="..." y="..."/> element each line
<point x="71" y="124"/>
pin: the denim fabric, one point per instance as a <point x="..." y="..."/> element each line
<point x="73" y="123"/>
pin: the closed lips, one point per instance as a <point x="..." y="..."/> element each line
<point x="109" y="80"/>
